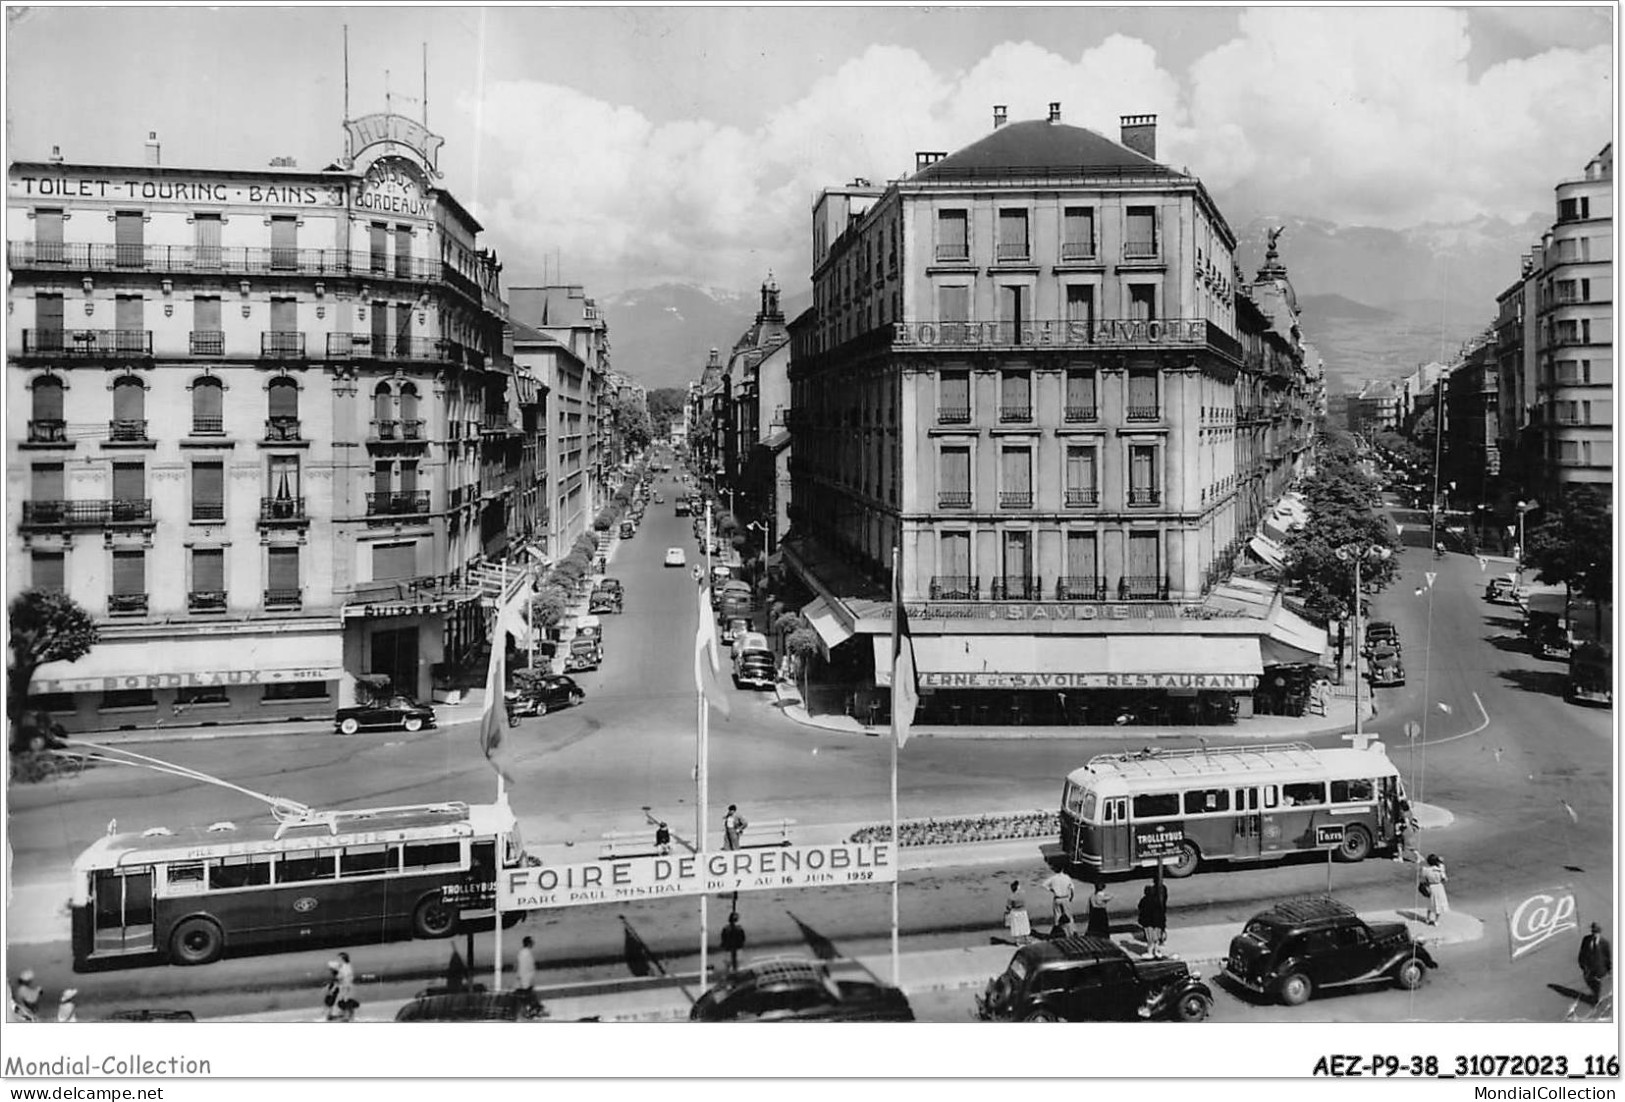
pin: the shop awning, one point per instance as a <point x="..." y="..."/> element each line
<point x="215" y="659"/>
<point x="1226" y="662"/>
<point x="1268" y="551"/>
<point x="1291" y="640"/>
<point x="828" y="626"/>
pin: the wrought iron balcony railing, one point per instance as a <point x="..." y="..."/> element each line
<point x="950" y="253"/>
<point x="1015" y="588"/>
<point x="1015" y="499"/>
<point x="953" y="499"/>
<point x="217" y="260"/>
<point x="282" y="345"/>
<point x="1081" y="414"/>
<point x="282" y="428"/>
<point x="1080" y="495"/>
<point x="1139" y="250"/>
<point x="282" y="510"/>
<point x="953" y="415"/>
<point x="1141" y="588"/>
<point x="126" y="604"/>
<point x="87" y="342"/>
<point x="1144" y="495"/>
<point x="208" y="510"/>
<point x="1014" y="250"/>
<point x="205" y="425"/>
<point x="47" y="431"/>
<point x="1012" y="414"/>
<point x="282" y="598"/>
<point x="206" y="600"/>
<point x="952" y="587"/>
<point x="126" y="430"/>
<point x="1077" y="250"/>
<point x="207" y="342"/>
<point x="398" y="503"/>
<point x="1151" y="412"/>
<point x="1080" y="588"/>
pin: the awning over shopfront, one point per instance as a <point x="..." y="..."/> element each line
<point x="1220" y="662"/>
<point x="1267" y="551"/>
<point x="828" y="626"/>
<point x="1291" y="640"/>
<point x="202" y="660"/>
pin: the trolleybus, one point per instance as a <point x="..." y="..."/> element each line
<point x="1244" y="803"/>
<point x="188" y="895"/>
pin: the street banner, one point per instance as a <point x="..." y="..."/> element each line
<point x="614" y="880"/>
<point x="1539" y="919"/>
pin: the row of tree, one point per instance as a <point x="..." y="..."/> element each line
<point x="1343" y="503"/>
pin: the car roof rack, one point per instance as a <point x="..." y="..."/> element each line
<point x="1311" y="907"/>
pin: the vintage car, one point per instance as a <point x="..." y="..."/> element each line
<point x="676" y="557"/>
<point x="754" y="664"/>
<point x="585" y="653"/>
<point x="628" y="529"/>
<point x="395" y="711"/>
<point x="797" y="990"/>
<point x="1384" y="666"/>
<point x="1504" y="591"/>
<point x="604" y="600"/>
<point x="1092" y="979"/>
<point x="732" y="628"/>
<point x="1302" y="946"/>
<point x="538" y="695"/>
<point x="1381" y="633"/>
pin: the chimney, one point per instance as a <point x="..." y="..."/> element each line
<point x="1055" y="111"/>
<point x="1140" y="134"/>
<point x="56" y="154"/>
<point x="1000" y="115"/>
<point x="152" y="147"/>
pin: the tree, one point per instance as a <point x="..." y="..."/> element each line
<point x="1341" y="499"/>
<point x="802" y="644"/>
<point x="46" y="626"/>
<point x="1574" y="547"/>
<point x="665" y="406"/>
<point x="549" y="605"/>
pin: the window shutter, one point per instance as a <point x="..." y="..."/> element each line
<point x="129" y="311"/>
<point x="403" y="252"/>
<point x="208" y="241"/>
<point x="380" y="328"/>
<point x="1142" y="389"/>
<point x="1081" y="562"/>
<point x="1141" y="473"/>
<point x="1075" y="469"/>
<point x="128" y="229"/>
<point x="394" y="560"/>
<point x="1079" y="230"/>
<point x="129" y="400"/>
<point x="47" y="482"/>
<point x="284" y="241"/>
<point x="956" y="390"/>
<point x="383" y="477"/>
<point x="48" y="236"/>
<point x="47" y="399"/>
<point x="953" y="304"/>
<point x="208" y="489"/>
<point x="1142" y="555"/>
<point x="282" y="568"/>
<point x="208" y="570"/>
<point x="378" y="240"/>
<point x="283" y="398"/>
<point x="1016" y="554"/>
<point x="129" y="481"/>
<point x="49" y="571"/>
<point x="409" y="475"/>
<point x="206" y="399"/>
<point x="48" y="318"/>
<point x="1080" y="303"/>
<point x="1017" y="471"/>
<point x="284" y="315"/>
<point x="956" y="470"/>
<point x="956" y="554"/>
<point x="129" y="572"/>
<point x="206" y="314"/>
<point x="1016" y="389"/>
<point x="1080" y="389"/>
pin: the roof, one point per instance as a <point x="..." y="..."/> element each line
<point x="1311" y="909"/>
<point x="1040" y="146"/>
<point x="1072" y="947"/>
<point x="1162" y="770"/>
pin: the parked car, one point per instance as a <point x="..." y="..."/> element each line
<point x="150" y="1014"/>
<point x="604" y="601"/>
<point x="1299" y="947"/>
<point x="539" y="694"/>
<point x="681" y="507"/>
<point x="470" y="1006"/>
<point x="396" y="711"/>
<point x="1385" y="667"/>
<point x="613" y="584"/>
<point x="1381" y="633"/>
<point x="676" y="557"/>
<point x="1505" y="591"/>
<point x="659" y="498"/>
<point x="1090" y="979"/>
<point x="628" y="530"/>
<point x="754" y="664"/>
<point x="796" y="990"/>
<point x="732" y="628"/>
<point x="585" y="653"/>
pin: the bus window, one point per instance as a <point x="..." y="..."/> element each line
<point x="1269" y="795"/>
<point x="1352" y="792"/>
<point x="1303" y="793"/>
<point x="1199" y="800"/>
<point x="1246" y="799"/>
<point x="184" y="879"/>
<point x="239" y="872"/>
<point x="423" y="855"/>
<point x="307" y="864"/>
<point x="366" y="860"/>
<point x="1072" y="799"/>
<point x="1086" y="810"/>
<point x="1154" y="805"/>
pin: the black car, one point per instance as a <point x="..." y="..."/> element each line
<point x="796" y="990"/>
<point x="396" y="711"/>
<point x="1092" y="979"/>
<point x="467" y="1006"/>
<point x="544" y="693"/>
<point x="1296" y="948"/>
<point x="604" y="601"/>
<point x="1381" y="633"/>
<point x="614" y="585"/>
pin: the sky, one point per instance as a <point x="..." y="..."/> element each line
<point x="622" y="147"/>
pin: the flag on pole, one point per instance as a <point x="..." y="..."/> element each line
<point x="495" y="715"/>
<point x="905" y="684"/>
<point x="707" y="659"/>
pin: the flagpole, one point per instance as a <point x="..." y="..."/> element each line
<point x="896" y="952"/>
<point x="499" y="638"/>
<point x="704" y="768"/>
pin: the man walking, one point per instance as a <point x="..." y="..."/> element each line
<point x="733" y="940"/>
<point x="1060" y="890"/>
<point x="524" y="972"/>
<point x="733" y="827"/>
<point x="1596" y="961"/>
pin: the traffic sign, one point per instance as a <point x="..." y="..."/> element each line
<point x="1413" y="730"/>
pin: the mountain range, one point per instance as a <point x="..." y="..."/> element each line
<point x="1375" y="302"/>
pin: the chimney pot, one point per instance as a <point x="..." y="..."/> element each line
<point x="1055" y="111"/>
<point x="1000" y="115"/>
<point x="153" y="148"/>
<point x="56" y="154"/>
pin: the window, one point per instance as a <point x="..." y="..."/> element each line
<point x="1143" y="578"/>
<point x="115" y="699"/>
<point x="47" y="482"/>
<point x="201" y="694"/>
<point x="1142" y="302"/>
<point x="423" y="855"/>
<point x="208" y="491"/>
<point x="1081" y="487"/>
<point x="1013" y="312"/>
<point x="48" y="236"/>
<point x="47" y="323"/>
<point x="368" y="860"/>
<point x="206" y="234"/>
<point x="411" y="426"/>
<point x="282" y="407"/>
<point x="1142" y="474"/>
<point x="394" y="560"/>
<point x="1016" y="477"/>
<point x="953" y="235"/>
<point x="378" y="241"/>
<point x="379" y="313"/>
<point x="127" y="238"/>
<point x="1078" y="233"/>
<point x="1303" y="794"/>
<point x="954" y="489"/>
<point x="1153" y="805"/>
<point x="283" y="472"/>
<point x="130" y="573"/>
<point x="46" y="422"/>
<point x="953" y="303"/>
<point x="48" y="571"/>
<point x="1350" y="792"/>
<point x="282" y="575"/>
<point x="1081" y="581"/>
<point x="1018" y="565"/>
<point x="129" y="312"/>
<point x="1080" y="304"/>
<point x="1142" y="396"/>
<point x="1140" y="233"/>
<point x="1015" y="396"/>
<point x="209" y="574"/>
<point x="1081" y="402"/>
<point x="129" y="409"/>
<point x="295" y="690"/>
<point x="403" y="329"/>
<point x="208" y="404"/>
<point x="953" y="554"/>
<point x="284" y="242"/>
<point x="403" y="252"/>
<point x="953" y="397"/>
<point x="1013" y="235"/>
<point x="239" y="872"/>
<point x="185" y="877"/>
<point x="301" y="865"/>
<point x="1202" y="800"/>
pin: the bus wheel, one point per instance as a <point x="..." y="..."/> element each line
<point x="1356" y="844"/>
<point x="1186" y="863"/>
<point x="433" y="918"/>
<point x="196" y="941"/>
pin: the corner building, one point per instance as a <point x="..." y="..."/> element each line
<point x="1023" y="367"/>
<point x="256" y="422"/>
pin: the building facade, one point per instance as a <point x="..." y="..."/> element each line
<point x="251" y="419"/>
<point x="1026" y="371"/>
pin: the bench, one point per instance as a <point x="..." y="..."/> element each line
<point x="641" y="843"/>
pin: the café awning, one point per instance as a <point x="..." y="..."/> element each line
<point x="204" y="660"/>
<point x="828" y="626"/>
<point x="1228" y="662"/>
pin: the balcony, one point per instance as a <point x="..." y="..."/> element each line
<point x="87" y="342"/>
<point x="208" y="511"/>
<point x="1016" y="589"/>
<point x="126" y="604"/>
<point x="1073" y="251"/>
<point x="1133" y="588"/>
<point x="1077" y="496"/>
<point x="1015" y="414"/>
<point x="276" y="345"/>
<point x="47" y="431"/>
<point x="206" y="600"/>
<point x="1075" y="588"/>
<point x="207" y="342"/>
<point x="1013" y="252"/>
<point x="953" y="499"/>
<point x="1144" y="495"/>
<point x="282" y="429"/>
<point x="1152" y="412"/>
<point x="282" y="598"/>
<point x="214" y="260"/>
<point x="1140" y="250"/>
<point x="1015" y="499"/>
<point x="953" y="254"/>
<point x="282" y="511"/>
<point x="1082" y="333"/>
<point x="367" y="346"/>
<point x="386" y="430"/>
<point x="953" y="415"/>
<point x="1075" y="415"/>
<point x="86" y="514"/>
<point x="398" y="503"/>
<point x="127" y="430"/>
<point x="204" y="425"/>
<point x="955" y="588"/>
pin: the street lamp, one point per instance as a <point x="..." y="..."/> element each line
<point x="1523" y="507"/>
<point x="1359" y="553"/>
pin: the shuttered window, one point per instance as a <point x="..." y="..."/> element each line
<point x="956" y="471"/>
<point x="953" y="235"/>
<point x="953" y="303"/>
<point x="1080" y="302"/>
<point x="1080" y="390"/>
<point x="46" y="482"/>
<point x="1078" y="233"/>
<point x="282" y="398"/>
<point x="1082" y="561"/>
<point x="378" y="240"/>
<point x="1017" y="554"/>
<point x="1142" y="467"/>
<point x="1016" y="469"/>
<point x="208" y="570"/>
<point x="1142" y="555"/>
<point x="208" y="491"/>
<point x="1013" y="235"/>
<point x="128" y="234"/>
<point x="284" y="242"/>
<point x="394" y="560"/>
<point x="284" y="315"/>
<point x="129" y="481"/>
<point x="207" y="402"/>
<point x="380" y="328"/>
<point x="409" y="475"/>
<point x="282" y="568"/>
<point x="129" y="572"/>
<point x="383" y="476"/>
<point x="403" y="252"/>
<point x="48" y="319"/>
<point x="47" y="398"/>
<point x="206" y="314"/>
<point x="48" y="571"/>
<point x="953" y="554"/>
<point x="1015" y="391"/>
<point x="129" y="313"/>
<point x="48" y="236"/>
<point x="1080" y="469"/>
<point x="1140" y="232"/>
<point x="403" y="329"/>
<point x="1142" y="390"/>
<point x="129" y="400"/>
<point x="955" y="390"/>
<point x="206" y="229"/>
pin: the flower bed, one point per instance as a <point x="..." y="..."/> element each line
<point x="971" y="828"/>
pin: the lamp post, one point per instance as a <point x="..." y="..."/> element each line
<point x="1358" y="553"/>
<point x="1523" y="507"/>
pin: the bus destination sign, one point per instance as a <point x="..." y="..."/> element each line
<point x="616" y="879"/>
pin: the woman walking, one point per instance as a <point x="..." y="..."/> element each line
<point x="1015" y="915"/>
<point x="1433" y="882"/>
<point x="1153" y="920"/>
<point x="1099" y="923"/>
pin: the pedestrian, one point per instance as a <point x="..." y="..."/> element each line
<point x="1015" y="915"/>
<point x="1434" y="878"/>
<point x="28" y="996"/>
<point x="1099" y="924"/>
<point x="1596" y="961"/>
<point x="524" y="972"/>
<point x="1154" y="919"/>
<point x="733" y="827"/>
<point x="662" y="840"/>
<point x="1060" y="891"/>
<point x="733" y="940"/>
<point x="1409" y="835"/>
<point x="66" y="1011"/>
<point x="330" y="994"/>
